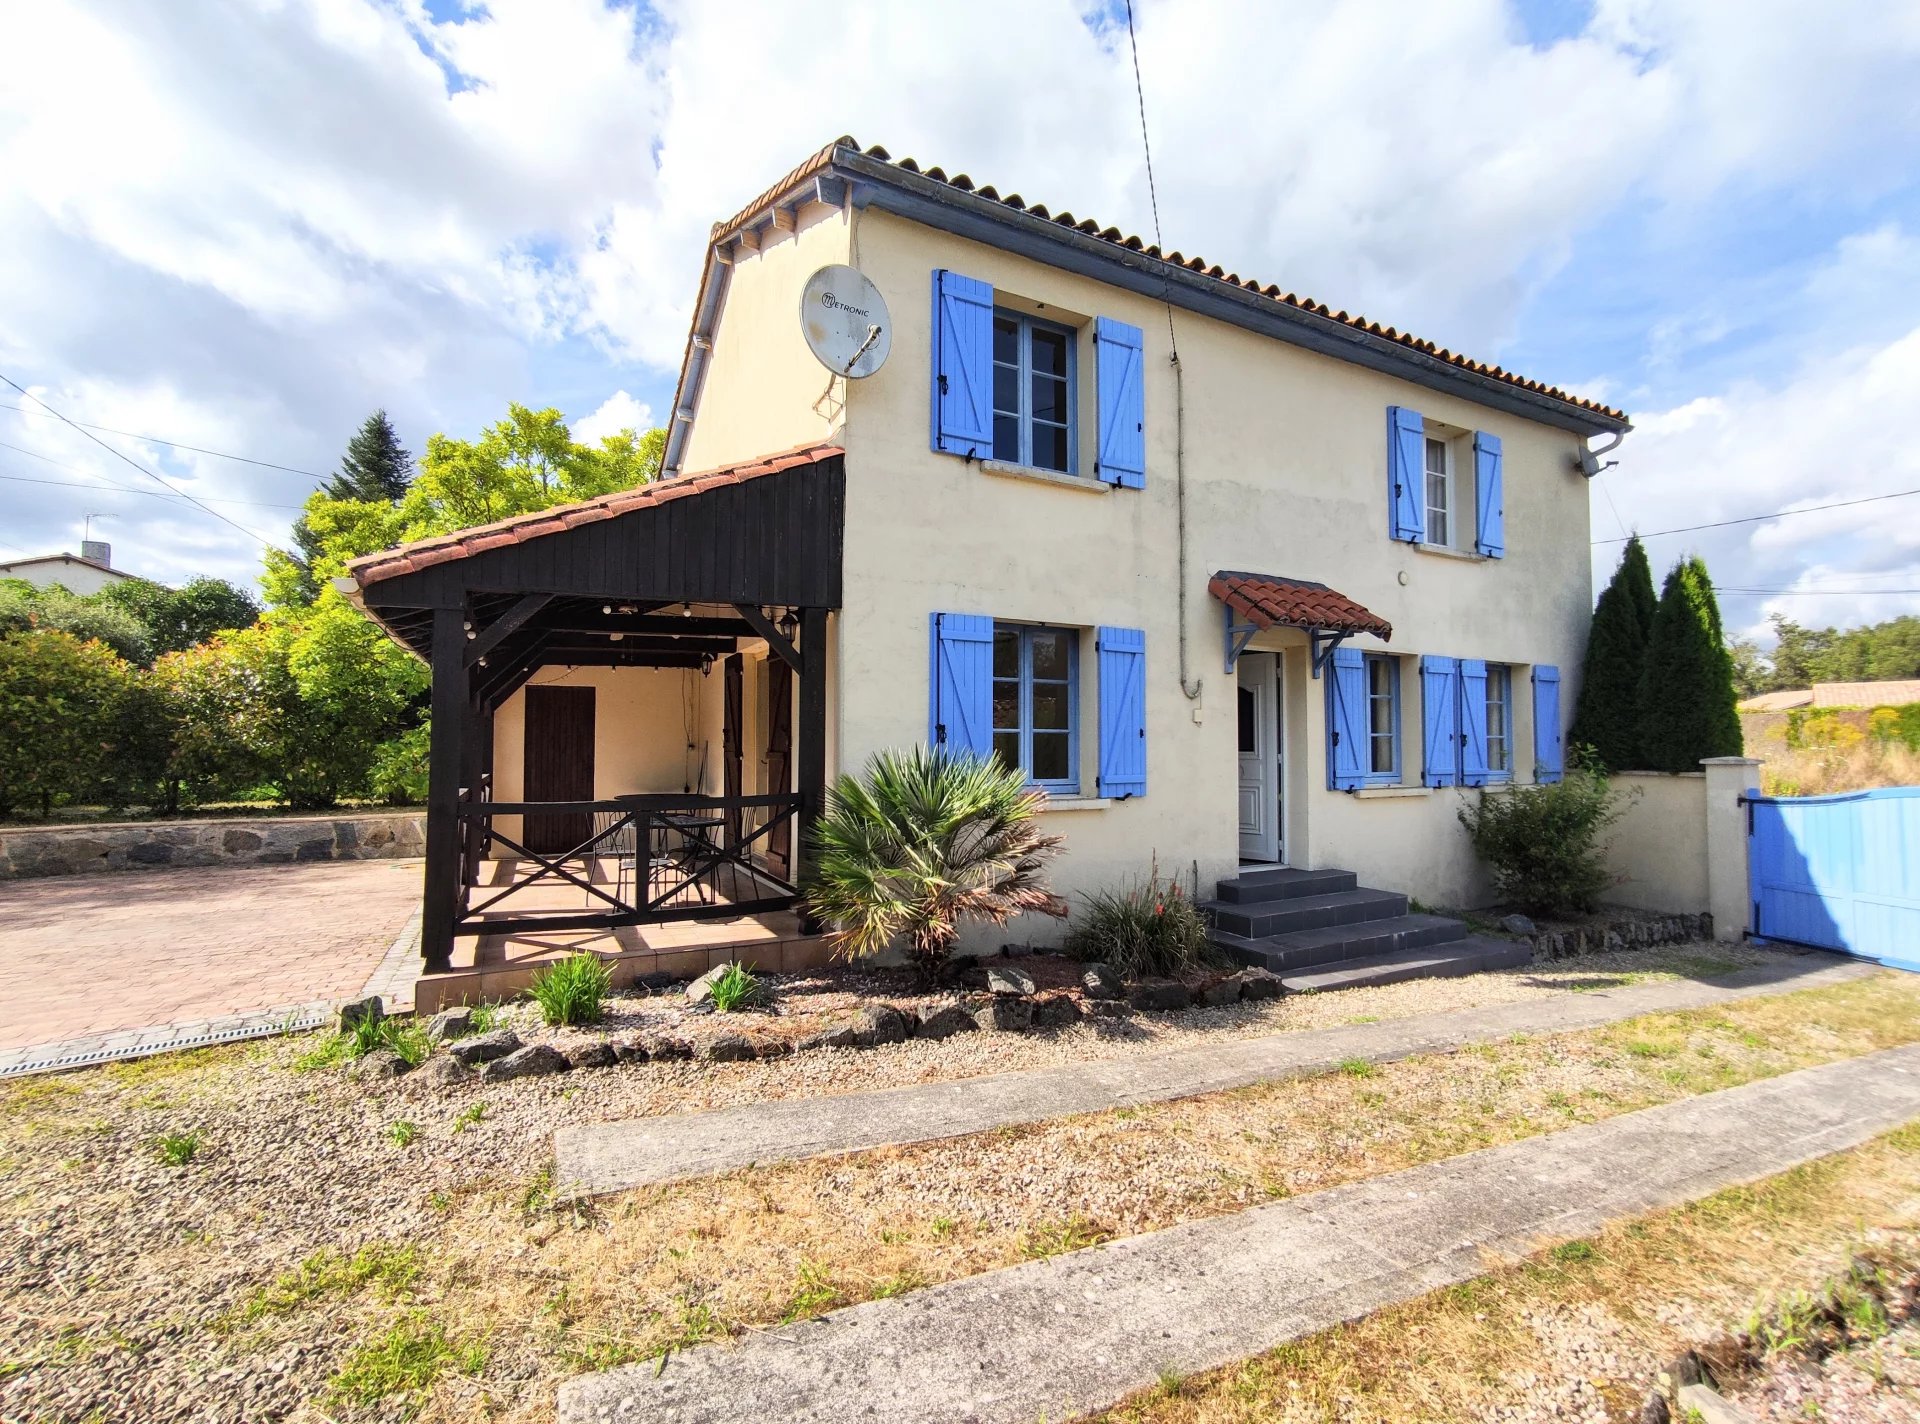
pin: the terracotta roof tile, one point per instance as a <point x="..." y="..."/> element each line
<point x="425" y="553"/>
<point x="1267" y="601"/>
<point x="825" y="157"/>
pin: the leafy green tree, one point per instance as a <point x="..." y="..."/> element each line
<point x="177" y="618"/>
<point x="1607" y="718"/>
<point x="26" y="608"/>
<point x="60" y="699"/>
<point x="1751" y="673"/>
<point x="1878" y="652"/>
<point x="1686" y="696"/>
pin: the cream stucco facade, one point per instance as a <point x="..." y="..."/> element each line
<point x="1285" y="459"/>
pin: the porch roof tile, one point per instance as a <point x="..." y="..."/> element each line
<point x="1267" y="601"/>
<point x="425" y="553"/>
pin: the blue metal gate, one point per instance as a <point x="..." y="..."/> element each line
<point x="1838" y="872"/>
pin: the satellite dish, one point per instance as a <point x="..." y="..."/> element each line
<point x="845" y="321"/>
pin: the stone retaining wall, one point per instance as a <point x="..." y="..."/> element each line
<point x="141" y="845"/>
<point x="1626" y="932"/>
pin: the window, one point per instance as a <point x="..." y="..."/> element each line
<point x="1499" y="721"/>
<point x="1033" y="385"/>
<point x="1439" y="492"/>
<point x="1383" y="718"/>
<point x="1035" y="706"/>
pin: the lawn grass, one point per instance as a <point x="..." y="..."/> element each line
<point x="1459" y="1354"/>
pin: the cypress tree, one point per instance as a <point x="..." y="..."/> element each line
<point x="1687" y="703"/>
<point x="1608" y="715"/>
<point x="376" y="466"/>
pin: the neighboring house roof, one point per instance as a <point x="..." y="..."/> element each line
<point x="38" y="559"/>
<point x="425" y="553"/>
<point x="1894" y="692"/>
<point x="1267" y="601"/>
<point x="871" y="177"/>
<point x="1779" y="701"/>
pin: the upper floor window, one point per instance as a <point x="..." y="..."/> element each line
<point x="1383" y="717"/>
<point x="1035" y="706"/>
<point x="1499" y="720"/>
<point x="1439" y="462"/>
<point x="1033" y="390"/>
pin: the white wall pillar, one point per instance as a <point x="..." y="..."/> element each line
<point x="1728" y="896"/>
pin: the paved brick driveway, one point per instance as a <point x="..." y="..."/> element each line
<point x="90" y="953"/>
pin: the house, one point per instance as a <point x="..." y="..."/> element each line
<point x="1235" y="577"/>
<point x="89" y="571"/>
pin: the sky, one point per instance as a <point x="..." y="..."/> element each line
<point x="241" y="225"/>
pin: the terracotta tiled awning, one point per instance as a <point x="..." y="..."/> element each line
<point x="1267" y="601"/>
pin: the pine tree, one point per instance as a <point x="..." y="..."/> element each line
<point x="376" y="467"/>
<point x="1687" y="706"/>
<point x="1608" y="715"/>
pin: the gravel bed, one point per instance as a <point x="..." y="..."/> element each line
<point x="118" y="1269"/>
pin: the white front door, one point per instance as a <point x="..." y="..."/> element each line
<point x="1258" y="730"/>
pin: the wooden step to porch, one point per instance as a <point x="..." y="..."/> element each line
<point x="1473" y="955"/>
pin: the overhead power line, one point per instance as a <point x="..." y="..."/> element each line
<point x="1821" y="592"/>
<point x="111" y="488"/>
<point x="1762" y="518"/>
<point x="161" y="440"/>
<point x="122" y="456"/>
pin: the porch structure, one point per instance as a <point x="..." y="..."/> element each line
<point x="690" y="580"/>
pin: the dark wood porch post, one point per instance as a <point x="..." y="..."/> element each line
<point x="445" y="766"/>
<point x="811" y="758"/>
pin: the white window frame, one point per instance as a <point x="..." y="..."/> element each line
<point x="1500" y="695"/>
<point x="1448" y="509"/>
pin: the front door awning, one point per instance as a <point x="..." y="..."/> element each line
<point x="1257" y="601"/>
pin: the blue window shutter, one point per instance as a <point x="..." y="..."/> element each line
<point x="962" y="365"/>
<point x="1123" y="711"/>
<point x="1489" y="499"/>
<point x="1549" y="755"/>
<point x="1474" y="770"/>
<point x="1347" y="720"/>
<point x="960" y="715"/>
<point x="1406" y="474"/>
<point x="1440" y="715"/>
<point x="1118" y="385"/>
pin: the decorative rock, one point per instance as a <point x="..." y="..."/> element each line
<point x="377" y="1064"/>
<point x="1055" y="1011"/>
<point x="880" y="1023"/>
<point x="1654" y="1410"/>
<point x="1015" y="982"/>
<point x="595" y="1053"/>
<point x="359" y="1011"/>
<point x="1258" y="984"/>
<point x="1101" y="982"/>
<point x="1016" y="951"/>
<point x="629" y="1050"/>
<point x="701" y="989"/>
<point x="842" y="1035"/>
<point x="445" y="1071"/>
<point x="1226" y="991"/>
<point x="1005" y="1015"/>
<point x="1613" y="941"/>
<point x="536" y="1060"/>
<point x="665" y="1048"/>
<point x="450" y="1023"/>
<point x="1107" y="1009"/>
<point x="1160" y="996"/>
<point x="727" y="1048"/>
<point x="945" y="1021"/>
<point x="1518" y="925"/>
<point x="1688" y="1369"/>
<point x="485" y="1047"/>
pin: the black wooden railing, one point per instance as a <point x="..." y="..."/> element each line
<point x="637" y="860"/>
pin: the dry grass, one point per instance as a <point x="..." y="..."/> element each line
<point x="1849" y="764"/>
<point x="1607" y="1311"/>
<point x="670" y="1267"/>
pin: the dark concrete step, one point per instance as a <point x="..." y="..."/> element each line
<point x="1474" y="955"/>
<point x="1253" y="887"/>
<point x="1304" y="948"/>
<point x="1309" y="912"/>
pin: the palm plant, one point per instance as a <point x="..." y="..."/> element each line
<point x="921" y="841"/>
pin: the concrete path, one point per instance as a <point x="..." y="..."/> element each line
<point x="1054" y="1339"/>
<point x="611" y="1157"/>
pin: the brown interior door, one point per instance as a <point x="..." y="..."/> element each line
<point x="559" y="764"/>
<point x="780" y="758"/>
<point x="731" y="735"/>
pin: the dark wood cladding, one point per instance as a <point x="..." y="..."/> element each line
<point x="773" y="541"/>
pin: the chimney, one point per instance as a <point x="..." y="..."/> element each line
<point x="99" y="551"/>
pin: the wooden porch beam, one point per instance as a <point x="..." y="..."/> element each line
<point x="445" y="765"/>
<point x="811" y="754"/>
<point x="776" y="640"/>
<point x="505" y="626"/>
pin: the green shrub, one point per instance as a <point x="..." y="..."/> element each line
<point x="1149" y="928"/>
<point x="570" y="991"/>
<point x="1543" y="843"/>
<point x="736" y="987"/>
<point x="177" y="1149"/>
<point x="399" y="774"/>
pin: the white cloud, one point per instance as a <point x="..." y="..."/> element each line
<point x="618" y="412"/>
